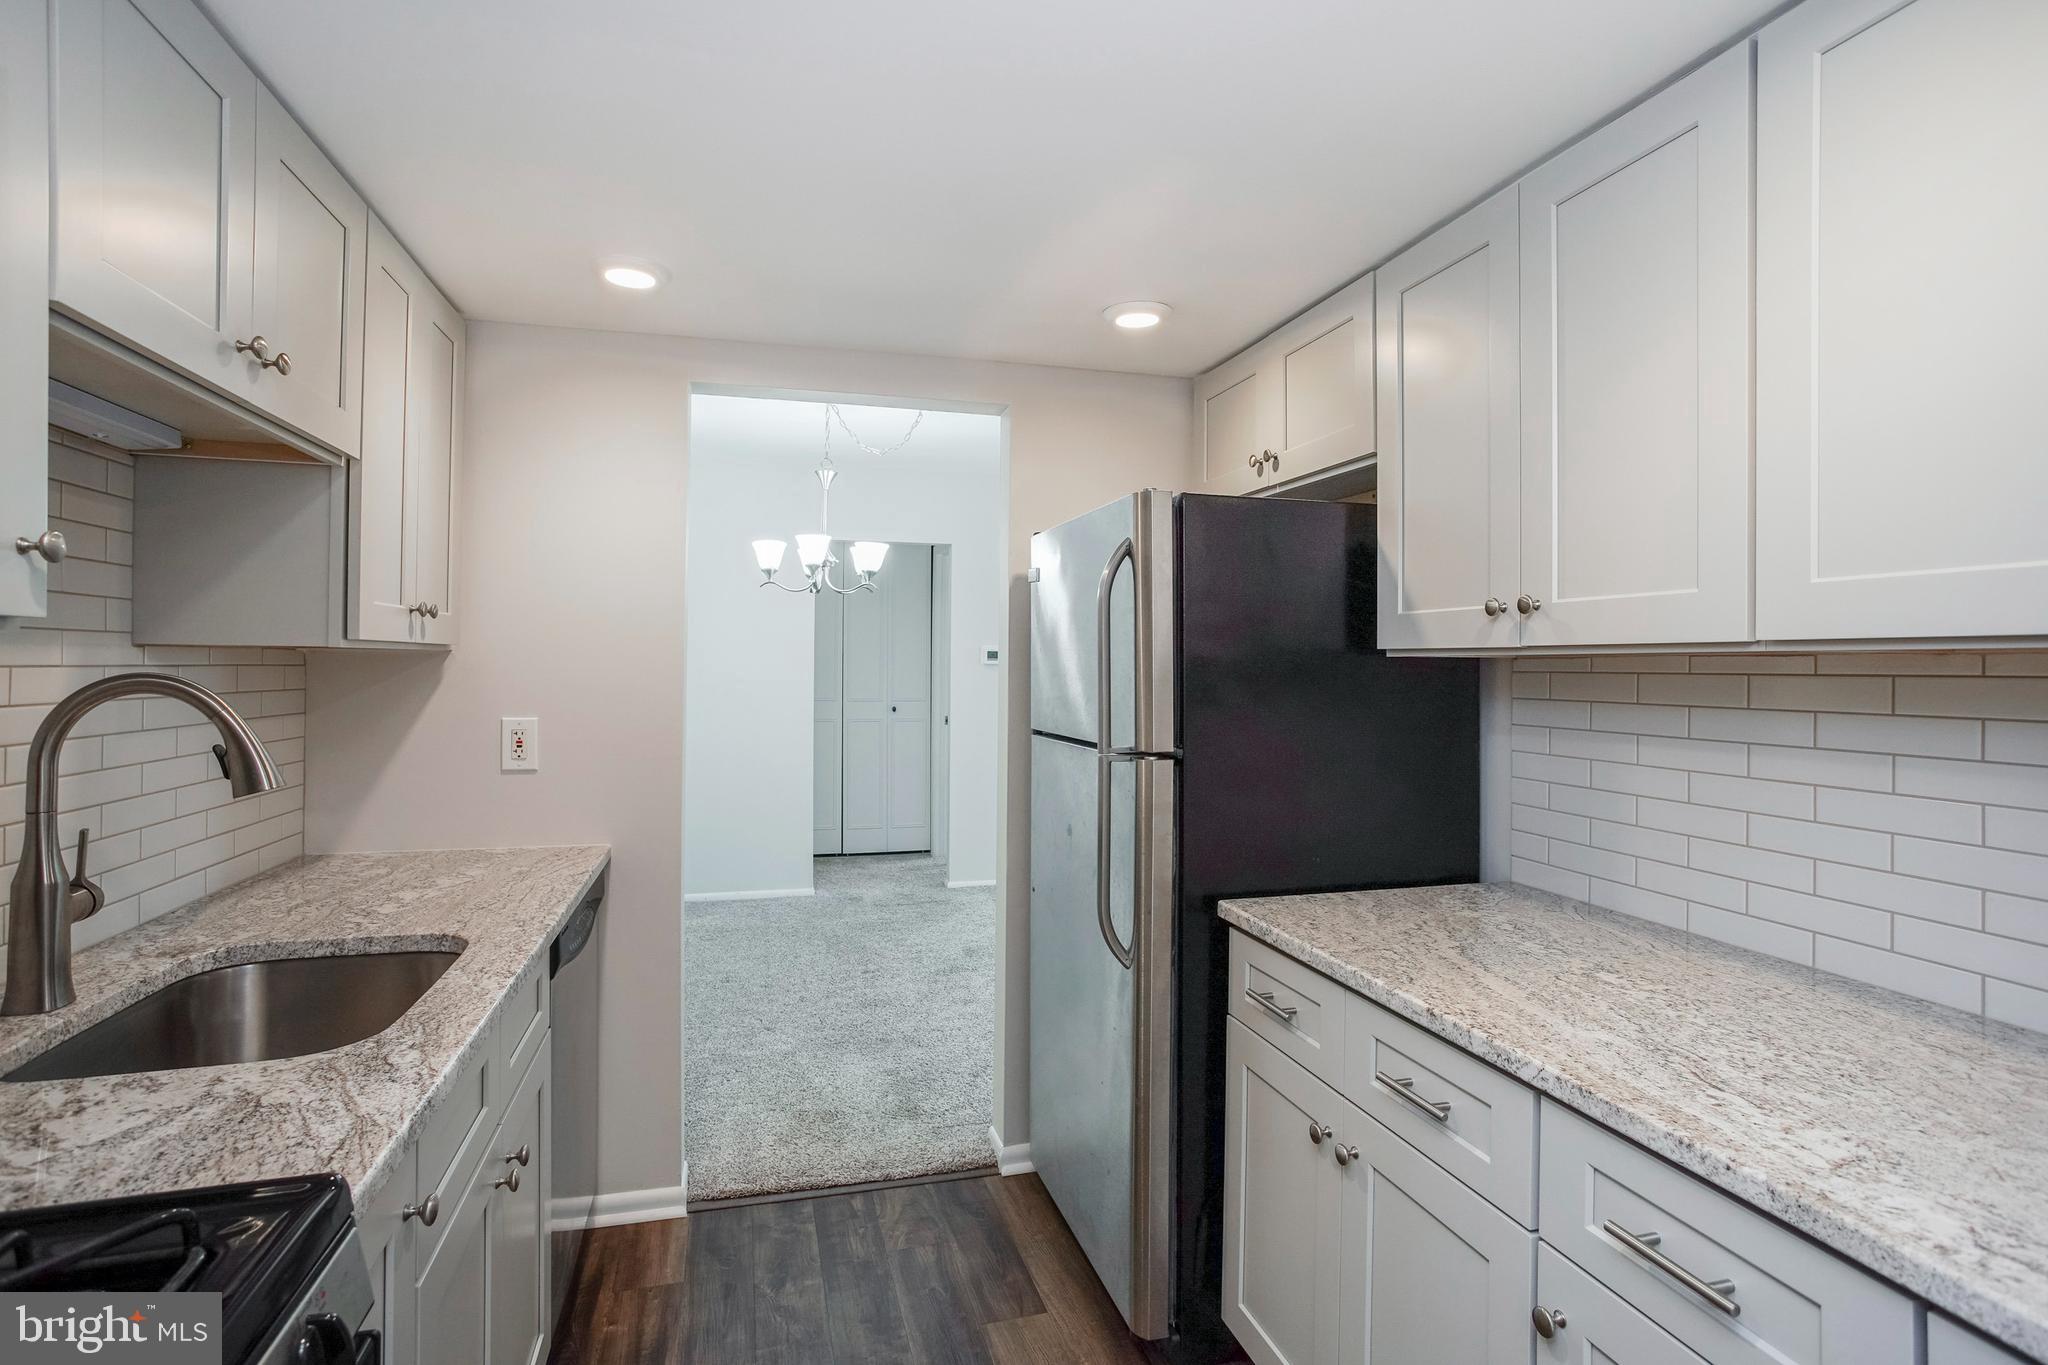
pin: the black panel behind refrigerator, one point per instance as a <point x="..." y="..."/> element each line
<point x="1310" y="761"/>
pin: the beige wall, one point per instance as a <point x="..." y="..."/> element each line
<point x="571" y="590"/>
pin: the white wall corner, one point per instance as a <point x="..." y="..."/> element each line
<point x="1014" y="1160"/>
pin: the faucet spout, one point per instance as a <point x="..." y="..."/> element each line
<point x="44" y="902"/>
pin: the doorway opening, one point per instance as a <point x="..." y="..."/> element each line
<point x="840" y="796"/>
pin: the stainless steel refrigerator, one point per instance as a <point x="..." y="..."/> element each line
<point x="1210" y="717"/>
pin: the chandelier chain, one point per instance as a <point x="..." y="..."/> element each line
<point x="832" y="414"/>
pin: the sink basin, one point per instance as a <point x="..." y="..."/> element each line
<point x="254" y="1012"/>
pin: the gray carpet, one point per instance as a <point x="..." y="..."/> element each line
<point x="839" y="1038"/>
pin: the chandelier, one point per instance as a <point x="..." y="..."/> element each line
<point x="814" y="549"/>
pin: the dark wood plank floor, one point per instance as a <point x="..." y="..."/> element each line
<point x="961" y="1272"/>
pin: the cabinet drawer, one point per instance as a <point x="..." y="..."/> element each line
<point x="1290" y="1006"/>
<point x="1405" y="1077"/>
<point x="520" y="1028"/>
<point x="1790" y="1302"/>
<point x="1593" y="1324"/>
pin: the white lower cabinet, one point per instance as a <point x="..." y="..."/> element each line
<point x="1280" y="1208"/>
<point x="457" y="1239"/>
<point x="24" y="336"/>
<point x="1345" y="1243"/>
<point x="1430" y="1271"/>
<point x="1589" y="1324"/>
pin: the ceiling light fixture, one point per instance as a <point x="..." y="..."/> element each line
<point x="814" y="548"/>
<point x="1136" y="317"/>
<point x="637" y="275"/>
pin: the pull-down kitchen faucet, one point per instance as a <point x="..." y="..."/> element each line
<point x="44" y="903"/>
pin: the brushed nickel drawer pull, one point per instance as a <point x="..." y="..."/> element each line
<point x="1404" y="1086"/>
<point x="1644" y="1245"/>
<point x="1265" y="1001"/>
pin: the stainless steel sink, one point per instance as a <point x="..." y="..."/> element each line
<point x="254" y="1012"/>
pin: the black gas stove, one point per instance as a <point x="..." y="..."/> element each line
<point x="282" y="1255"/>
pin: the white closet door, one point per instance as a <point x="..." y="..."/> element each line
<point x="886" y="708"/>
<point x="864" y="719"/>
<point x="1901" y="283"/>
<point x="1635" y="374"/>
<point x="942" y="697"/>
<point x="831" y="661"/>
<point x="907" y="598"/>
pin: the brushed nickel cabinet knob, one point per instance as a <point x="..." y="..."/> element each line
<point x="1526" y="604"/>
<point x="1548" y="1322"/>
<point x="428" y="1213"/>
<point x="1318" y="1131"/>
<point x="1495" y="607"/>
<point x="50" y="545"/>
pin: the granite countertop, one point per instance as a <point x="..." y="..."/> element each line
<point x="1909" y="1137"/>
<point x="351" y="1110"/>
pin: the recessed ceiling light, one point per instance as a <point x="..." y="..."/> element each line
<point x="628" y="273"/>
<point x="1136" y="317"/>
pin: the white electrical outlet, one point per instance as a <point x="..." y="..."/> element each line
<point x="519" y="744"/>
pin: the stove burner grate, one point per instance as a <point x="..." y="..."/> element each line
<point x="104" y="1252"/>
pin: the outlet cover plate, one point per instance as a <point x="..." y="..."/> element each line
<point x="519" y="744"/>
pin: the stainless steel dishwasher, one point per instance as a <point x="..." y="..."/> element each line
<point x="573" y="991"/>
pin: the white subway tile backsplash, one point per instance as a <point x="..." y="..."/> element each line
<point x="2016" y="916"/>
<point x="1752" y="864"/>
<point x="1986" y="698"/>
<point x="1752" y="727"/>
<point x="1681" y="818"/>
<point x="1903" y="735"/>
<point x="1825" y="693"/>
<point x="1747" y="931"/>
<point x="1864" y="848"/>
<point x="2015" y="741"/>
<point x="2024" y="830"/>
<point x="1901" y="814"/>
<point x="1747" y="793"/>
<point x="1696" y="755"/>
<point x="132" y="775"/>
<point x="2001" y="784"/>
<point x="1879" y="815"/>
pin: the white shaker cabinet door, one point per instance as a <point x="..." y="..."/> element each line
<point x="380" y="605"/>
<point x="1635" y="365"/>
<point x="24" y="329"/>
<point x="1449" y="436"/>
<point x="1902" y="437"/>
<point x="518" y="1240"/>
<point x="311" y="230"/>
<point x="1322" y="364"/>
<point x="1431" y="1272"/>
<point x="153" y="146"/>
<point x="1280" y="1258"/>
<point x="1237" y="420"/>
<point x="434" y="470"/>
<point x="1949" y="1343"/>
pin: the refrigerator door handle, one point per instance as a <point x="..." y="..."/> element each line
<point x="1105" y="754"/>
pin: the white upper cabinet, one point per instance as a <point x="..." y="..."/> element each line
<point x="1902" y="441"/>
<point x="434" y="414"/>
<point x="24" y="337"/>
<point x="402" y="489"/>
<point x="154" y="183"/>
<point x="196" y="223"/>
<point x="1449" y="436"/>
<point x="1635" y="374"/>
<point x="1297" y="403"/>
<point x="311" y="230"/>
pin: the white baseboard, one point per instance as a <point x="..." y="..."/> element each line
<point x="965" y="886"/>
<point x="1015" y="1160"/>
<point x="793" y="893"/>
<point x="640" y="1206"/>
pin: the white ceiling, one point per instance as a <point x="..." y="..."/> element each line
<point x="939" y="177"/>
